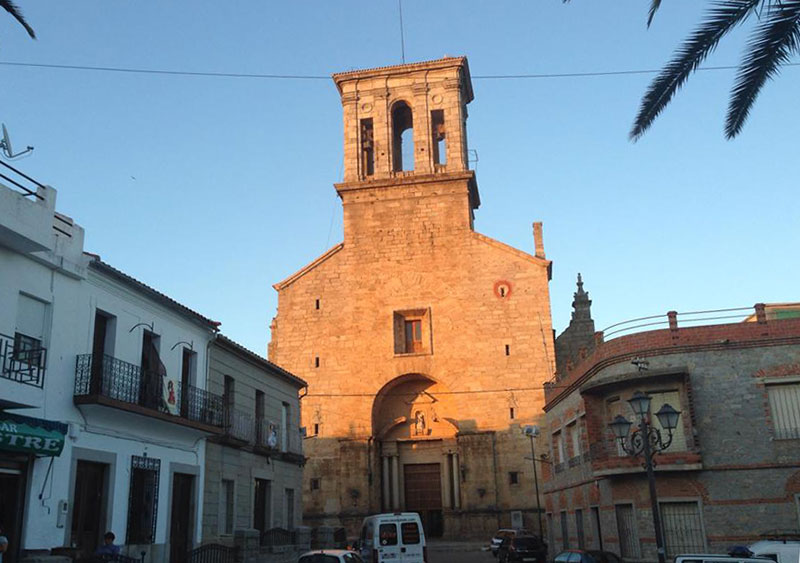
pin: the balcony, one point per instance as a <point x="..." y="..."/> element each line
<point x="239" y="427"/>
<point x="268" y="435"/>
<point x="27" y="209"/>
<point x="105" y="380"/>
<point x="22" y="364"/>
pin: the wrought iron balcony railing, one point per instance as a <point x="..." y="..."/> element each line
<point x="109" y="377"/>
<point x="239" y="425"/>
<point x="268" y="434"/>
<point x="21" y="363"/>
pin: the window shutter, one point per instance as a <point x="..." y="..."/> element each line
<point x="784" y="404"/>
<point x="30" y="317"/>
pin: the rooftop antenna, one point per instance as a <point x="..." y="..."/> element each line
<point x="5" y="145"/>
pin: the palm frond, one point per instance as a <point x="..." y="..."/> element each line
<point x="654" y="6"/>
<point x="15" y="12"/>
<point x="724" y="16"/>
<point x="771" y="45"/>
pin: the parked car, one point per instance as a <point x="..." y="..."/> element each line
<point x="330" y="556"/>
<point x="780" y="551"/>
<point x="395" y="537"/>
<point x="522" y="548"/>
<point x="502" y="533"/>
<point x="586" y="556"/>
<point x="716" y="558"/>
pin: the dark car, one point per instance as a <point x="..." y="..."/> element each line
<point x="522" y="548"/>
<point x="505" y="533"/>
<point x="590" y="556"/>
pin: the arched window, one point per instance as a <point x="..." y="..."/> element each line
<point x="402" y="138"/>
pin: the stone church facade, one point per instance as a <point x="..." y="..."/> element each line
<point x="424" y="343"/>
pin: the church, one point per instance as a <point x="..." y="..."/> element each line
<point x="425" y="344"/>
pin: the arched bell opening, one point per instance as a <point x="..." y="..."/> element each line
<point x="402" y="137"/>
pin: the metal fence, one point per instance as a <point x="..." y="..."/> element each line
<point x="116" y="379"/>
<point x="213" y="553"/>
<point x="278" y="537"/>
<point x="20" y="364"/>
<point x="239" y="425"/>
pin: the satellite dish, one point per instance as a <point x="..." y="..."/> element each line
<point x="531" y="431"/>
<point x="5" y="145"/>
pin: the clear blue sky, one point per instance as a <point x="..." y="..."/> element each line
<point x="233" y="177"/>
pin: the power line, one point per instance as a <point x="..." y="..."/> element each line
<point x="532" y="76"/>
<point x="169" y="72"/>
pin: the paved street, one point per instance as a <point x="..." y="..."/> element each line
<point x="453" y="552"/>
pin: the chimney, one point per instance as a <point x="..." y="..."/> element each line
<point x="538" y="243"/>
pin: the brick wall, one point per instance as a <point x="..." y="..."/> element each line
<point x="743" y="479"/>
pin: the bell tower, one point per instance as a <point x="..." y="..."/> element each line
<point x="405" y="137"/>
<point x="390" y="110"/>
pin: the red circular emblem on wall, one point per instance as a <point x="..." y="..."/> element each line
<point x="502" y="289"/>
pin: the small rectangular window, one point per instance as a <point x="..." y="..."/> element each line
<point x="412" y="331"/>
<point x="683" y="527"/>
<point x="508" y="349"/>
<point x="626" y="531"/>
<point x="226" y="514"/>
<point x="579" y="527"/>
<point x="316" y="361"/>
<point x="387" y="534"/>
<point x="316" y="305"/>
<point x="784" y="406"/>
<point x="315" y="484"/>
<point x="413" y="336"/>
<point x="513" y="478"/>
<point x="511" y="413"/>
<point x="316" y="429"/>
<point x="367" y="148"/>
<point x="438" y="137"/>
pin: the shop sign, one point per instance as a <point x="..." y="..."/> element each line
<point x="31" y="435"/>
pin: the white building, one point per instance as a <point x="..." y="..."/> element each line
<point x="107" y="368"/>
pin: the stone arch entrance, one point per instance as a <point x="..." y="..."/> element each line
<point x="415" y="432"/>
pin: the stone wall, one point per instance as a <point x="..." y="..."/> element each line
<point x="743" y="479"/>
<point x="486" y="347"/>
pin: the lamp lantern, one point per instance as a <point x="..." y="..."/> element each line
<point x="640" y="403"/>
<point x="620" y="426"/>
<point x="668" y="417"/>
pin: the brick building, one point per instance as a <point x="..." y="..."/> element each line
<point x="732" y="471"/>
<point x="424" y="343"/>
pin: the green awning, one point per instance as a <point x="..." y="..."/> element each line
<point x="31" y="435"/>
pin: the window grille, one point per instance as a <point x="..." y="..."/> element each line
<point x="784" y="405"/>
<point x="626" y="530"/>
<point x="143" y="500"/>
<point x="683" y="528"/>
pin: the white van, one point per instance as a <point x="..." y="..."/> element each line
<point x="393" y="538"/>
<point x="780" y="551"/>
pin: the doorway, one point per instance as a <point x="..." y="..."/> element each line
<point x="182" y="516"/>
<point x="13" y="473"/>
<point x="88" y="511"/>
<point x="423" y="494"/>
<point x="261" y="505"/>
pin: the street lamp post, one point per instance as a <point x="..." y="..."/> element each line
<point x="532" y="432"/>
<point x="648" y="441"/>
